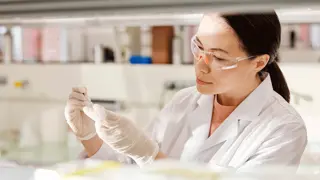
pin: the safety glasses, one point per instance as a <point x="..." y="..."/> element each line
<point x="215" y="59"/>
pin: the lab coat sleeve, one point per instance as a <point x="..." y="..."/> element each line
<point x="168" y="115"/>
<point x="156" y="129"/>
<point x="284" y="147"/>
<point x="158" y="126"/>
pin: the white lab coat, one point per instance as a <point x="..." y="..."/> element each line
<point x="263" y="130"/>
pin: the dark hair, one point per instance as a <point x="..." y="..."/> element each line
<point x="260" y="33"/>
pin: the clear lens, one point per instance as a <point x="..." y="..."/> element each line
<point x="196" y="51"/>
<point x="222" y="62"/>
<point x="214" y="59"/>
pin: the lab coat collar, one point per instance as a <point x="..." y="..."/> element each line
<point x="201" y="115"/>
<point x="247" y="111"/>
<point x="252" y="106"/>
<point x="205" y="100"/>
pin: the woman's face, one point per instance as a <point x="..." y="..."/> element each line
<point x="215" y="35"/>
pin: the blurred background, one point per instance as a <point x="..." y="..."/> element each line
<point x="132" y="56"/>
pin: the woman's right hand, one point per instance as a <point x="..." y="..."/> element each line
<point x="123" y="136"/>
<point x="82" y="126"/>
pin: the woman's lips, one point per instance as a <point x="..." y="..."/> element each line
<point x="202" y="82"/>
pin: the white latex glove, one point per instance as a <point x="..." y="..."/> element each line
<point x="81" y="125"/>
<point x="123" y="135"/>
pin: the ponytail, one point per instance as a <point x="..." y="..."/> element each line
<point x="279" y="83"/>
<point x="259" y="34"/>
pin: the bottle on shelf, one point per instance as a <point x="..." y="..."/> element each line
<point x="7" y="46"/>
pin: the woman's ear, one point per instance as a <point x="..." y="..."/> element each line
<point x="260" y="62"/>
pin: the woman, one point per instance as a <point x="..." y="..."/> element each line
<point x="237" y="116"/>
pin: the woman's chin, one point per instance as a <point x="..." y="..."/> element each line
<point x="205" y="89"/>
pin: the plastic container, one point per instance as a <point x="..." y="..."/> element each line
<point x="140" y="60"/>
<point x="7" y="47"/>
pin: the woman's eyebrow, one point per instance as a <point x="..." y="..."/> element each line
<point x="212" y="49"/>
<point x="218" y="49"/>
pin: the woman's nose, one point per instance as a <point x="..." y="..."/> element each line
<point x="204" y="58"/>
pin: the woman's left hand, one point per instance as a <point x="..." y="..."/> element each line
<point x="123" y="135"/>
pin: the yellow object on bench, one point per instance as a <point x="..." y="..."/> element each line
<point x="97" y="169"/>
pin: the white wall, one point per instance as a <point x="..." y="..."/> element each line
<point x="46" y="82"/>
